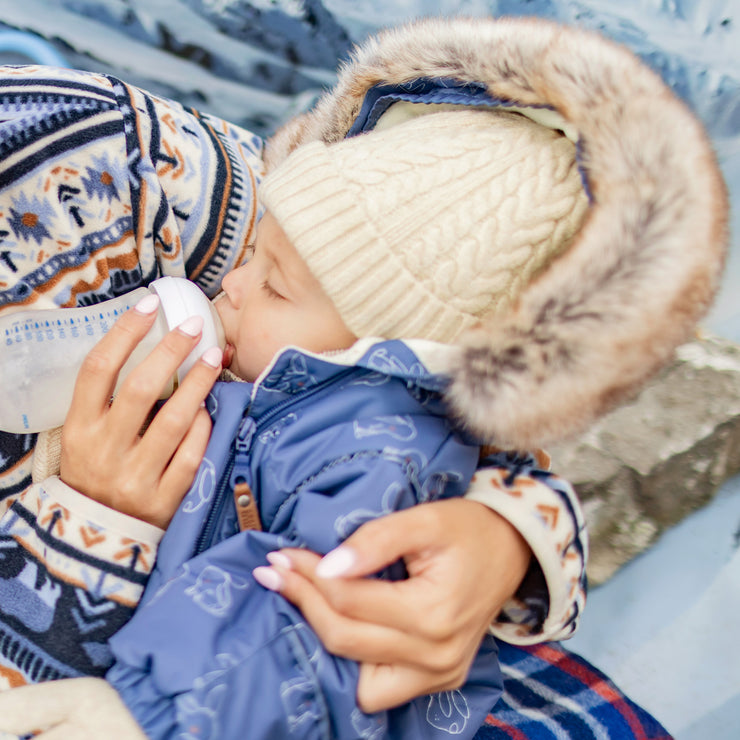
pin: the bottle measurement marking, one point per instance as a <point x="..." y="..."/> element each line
<point x="61" y="328"/>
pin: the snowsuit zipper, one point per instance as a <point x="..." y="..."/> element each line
<point x="242" y="444"/>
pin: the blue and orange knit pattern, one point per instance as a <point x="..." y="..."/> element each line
<point x="105" y="188"/>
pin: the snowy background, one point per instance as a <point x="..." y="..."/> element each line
<point x="665" y="626"/>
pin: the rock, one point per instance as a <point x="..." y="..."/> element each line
<point x="652" y="461"/>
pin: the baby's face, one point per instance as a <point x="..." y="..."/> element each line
<point x="273" y="301"/>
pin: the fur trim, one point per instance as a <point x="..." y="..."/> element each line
<point x="646" y="264"/>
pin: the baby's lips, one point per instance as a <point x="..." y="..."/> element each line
<point x="228" y="355"/>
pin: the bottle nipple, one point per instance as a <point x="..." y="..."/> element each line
<point x="180" y="299"/>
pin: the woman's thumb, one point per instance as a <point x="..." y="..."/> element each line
<point x="379" y="543"/>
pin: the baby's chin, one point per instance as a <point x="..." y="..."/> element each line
<point x="248" y="374"/>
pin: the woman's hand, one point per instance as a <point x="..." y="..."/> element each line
<point x="103" y="454"/>
<point x="419" y="635"/>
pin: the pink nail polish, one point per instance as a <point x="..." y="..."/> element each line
<point x="148" y="304"/>
<point x="192" y="326"/>
<point x="279" y="559"/>
<point x="336" y="563"/>
<point x="268" y="578"/>
<point x="212" y="356"/>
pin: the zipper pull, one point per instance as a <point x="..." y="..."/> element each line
<point x="245" y="434"/>
<point x="246" y="507"/>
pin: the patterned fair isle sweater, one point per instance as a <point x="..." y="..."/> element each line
<point x="104" y="188"/>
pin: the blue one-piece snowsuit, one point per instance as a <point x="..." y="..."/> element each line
<point x="322" y="447"/>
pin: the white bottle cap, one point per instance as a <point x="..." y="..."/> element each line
<point x="180" y="299"/>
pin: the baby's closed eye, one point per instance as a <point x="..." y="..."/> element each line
<point x="271" y="292"/>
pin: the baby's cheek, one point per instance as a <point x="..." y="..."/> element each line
<point x="253" y="355"/>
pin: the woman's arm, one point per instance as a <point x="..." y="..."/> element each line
<point x="145" y="188"/>
<point x="77" y="550"/>
<point x="545" y="510"/>
<point x="466" y="563"/>
<point x="71" y="575"/>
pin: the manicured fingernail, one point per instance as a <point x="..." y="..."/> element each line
<point x="212" y="356"/>
<point x="148" y="304"/>
<point x="269" y="578"/>
<point x="279" y="559"/>
<point x="192" y="326"/>
<point x="336" y="563"/>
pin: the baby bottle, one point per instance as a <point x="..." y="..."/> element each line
<point x="42" y="350"/>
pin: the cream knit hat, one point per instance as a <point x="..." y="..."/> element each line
<point x="425" y="228"/>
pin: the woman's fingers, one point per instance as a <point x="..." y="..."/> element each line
<point x="143" y="386"/>
<point x="421" y="634"/>
<point x="97" y="376"/>
<point x="409" y="535"/>
<point x="458" y="555"/>
<point x="381" y="542"/>
<point x="419" y="537"/>
<point x="181" y="471"/>
<point x="103" y="454"/>
<point x="401" y="605"/>
<point x="395" y="667"/>
<point x="341" y="635"/>
<point x="369" y="641"/>
<point x="457" y="548"/>
<point x="175" y="419"/>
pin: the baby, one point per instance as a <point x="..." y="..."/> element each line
<point x="373" y="256"/>
<point x="86" y="532"/>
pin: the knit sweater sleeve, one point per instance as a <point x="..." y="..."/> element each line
<point x="545" y="511"/>
<point x="194" y="195"/>
<point x="72" y="574"/>
<point x="116" y="187"/>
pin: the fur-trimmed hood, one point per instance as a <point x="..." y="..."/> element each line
<point x="644" y="267"/>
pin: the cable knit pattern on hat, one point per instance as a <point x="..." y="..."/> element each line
<point x="424" y="229"/>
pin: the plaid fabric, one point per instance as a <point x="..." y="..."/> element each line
<point x="553" y="694"/>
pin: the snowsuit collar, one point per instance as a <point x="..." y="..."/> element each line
<point x="294" y="371"/>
